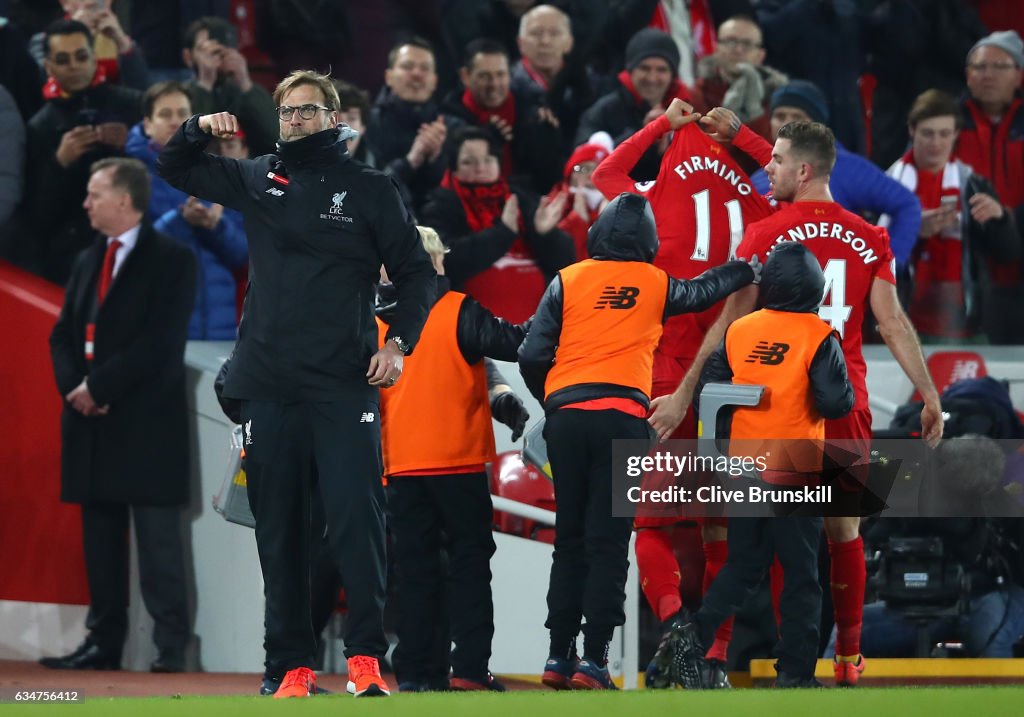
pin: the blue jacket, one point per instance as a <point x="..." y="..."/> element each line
<point x="219" y="252"/>
<point x="164" y="197"/>
<point x="861" y="187"/>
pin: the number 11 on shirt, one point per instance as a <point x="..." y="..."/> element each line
<point x="702" y="211"/>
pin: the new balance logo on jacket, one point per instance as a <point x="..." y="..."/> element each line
<point x="622" y="297"/>
<point x="366" y="418"/>
<point x="768" y="354"/>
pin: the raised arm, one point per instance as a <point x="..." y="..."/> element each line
<point x="725" y="127"/>
<point x="184" y="163"/>
<point x="612" y="175"/>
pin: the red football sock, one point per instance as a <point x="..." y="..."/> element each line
<point x="659" y="572"/>
<point x="776" y="580"/>
<point x="715" y="554"/>
<point x="847" y="579"/>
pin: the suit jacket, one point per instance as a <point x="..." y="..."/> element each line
<point x="139" y="452"/>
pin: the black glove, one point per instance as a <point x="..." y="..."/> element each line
<point x="508" y="408"/>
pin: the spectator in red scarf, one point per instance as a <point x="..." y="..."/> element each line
<point x="505" y="245"/>
<point x="528" y="135"/>
<point x="962" y="223"/>
<point x="646" y="87"/>
<point x="84" y="119"/>
<point x="585" y="200"/>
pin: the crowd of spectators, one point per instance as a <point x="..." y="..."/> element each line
<point x="491" y="115"/>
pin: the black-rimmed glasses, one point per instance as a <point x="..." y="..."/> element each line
<point x="306" y="112"/>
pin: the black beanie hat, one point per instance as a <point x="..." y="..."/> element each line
<point x="805" y="96"/>
<point x="650" y="42"/>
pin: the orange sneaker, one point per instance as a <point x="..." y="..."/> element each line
<point x="364" y="678"/>
<point x="300" y="682"/>
<point x="848" y="673"/>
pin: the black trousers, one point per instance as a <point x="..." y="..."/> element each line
<point x="753" y="544"/>
<point x="432" y="516"/>
<point x="161" y="573"/>
<point x="590" y="562"/>
<point x="283" y="443"/>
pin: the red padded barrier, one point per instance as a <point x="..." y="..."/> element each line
<point x="41" y="537"/>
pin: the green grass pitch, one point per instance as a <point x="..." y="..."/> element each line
<point x="866" y="702"/>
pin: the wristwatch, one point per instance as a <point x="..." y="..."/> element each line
<point x="401" y="343"/>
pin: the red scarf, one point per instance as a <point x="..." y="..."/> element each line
<point x="534" y="75"/>
<point x="702" y="27"/>
<point x="511" y="287"/>
<point x="482" y="203"/>
<point x="937" y="301"/>
<point x="675" y="89"/>
<point x="506" y="112"/>
<point x="53" y="91"/>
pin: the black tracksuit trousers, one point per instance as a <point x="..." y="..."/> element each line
<point x="433" y="516"/>
<point x="753" y="544"/>
<point x="284" y="443"/>
<point x="588" y="571"/>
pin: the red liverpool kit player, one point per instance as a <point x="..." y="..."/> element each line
<point x="857" y="263"/>
<point x="702" y="200"/>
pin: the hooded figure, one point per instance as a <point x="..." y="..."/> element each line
<point x="788" y="349"/>
<point x="792" y="280"/>
<point x="797" y="357"/>
<point x="588" y="357"/>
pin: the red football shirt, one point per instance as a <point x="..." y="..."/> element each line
<point x="701" y="201"/>
<point x="852" y="254"/>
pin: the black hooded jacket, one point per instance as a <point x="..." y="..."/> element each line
<point x="793" y="282"/>
<point x="319" y="227"/>
<point x="625" y="231"/>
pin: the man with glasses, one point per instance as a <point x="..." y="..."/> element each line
<point x="85" y="119"/>
<point x="735" y="77"/>
<point x="306" y="366"/>
<point x="992" y="143"/>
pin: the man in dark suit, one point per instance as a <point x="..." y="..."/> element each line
<point x="118" y="357"/>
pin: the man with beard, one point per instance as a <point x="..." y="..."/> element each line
<point x="306" y="367"/>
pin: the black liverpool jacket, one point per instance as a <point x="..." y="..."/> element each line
<point x="320" y="226"/>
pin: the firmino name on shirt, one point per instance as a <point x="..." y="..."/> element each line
<point x="829" y="230"/>
<point x="697" y="163"/>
